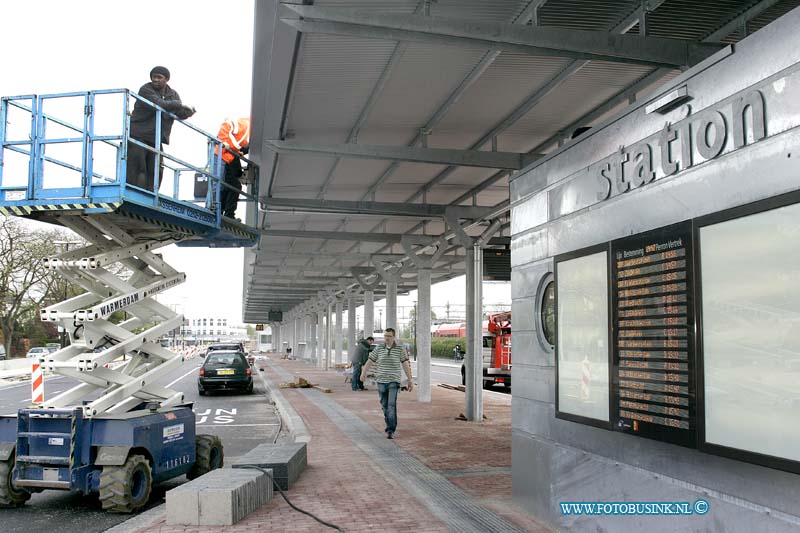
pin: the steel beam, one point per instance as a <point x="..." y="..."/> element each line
<point x="386" y="209"/>
<point x="539" y="41"/>
<point x="388" y="238"/>
<point x="737" y="22"/>
<point x="436" y="156"/>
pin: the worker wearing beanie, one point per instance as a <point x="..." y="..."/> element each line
<point x="141" y="161"/>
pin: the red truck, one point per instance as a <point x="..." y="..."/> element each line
<point x="496" y="352"/>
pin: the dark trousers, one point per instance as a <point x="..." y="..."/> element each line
<point x="388" y="394"/>
<point x="229" y="199"/>
<point x="141" y="166"/>
<point x="356" y="382"/>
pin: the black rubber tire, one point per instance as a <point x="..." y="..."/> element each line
<point x="250" y="388"/>
<point x="488" y="385"/>
<point x="210" y="456"/>
<point x="9" y="495"/>
<point x="121" y="489"/>
<point x="201" y="392"/>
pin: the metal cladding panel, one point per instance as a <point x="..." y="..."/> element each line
<point x="501" y="89"/>
<point x="694" y="20"/>
<point x="407" y="103"/>
<point x="493" y="195"/>
<point x="301" y="175"/>
<point x="596" y="15"/>
<point x="334" y="77"/>
<point x="399" y="7"/>
<point x="591" y="86"/>
<point x="739" y="69"/>
<point x="480" y="10"/>
<point x="388" y="133"/>
<point x="466" y="176"/>
<point x="350" y="177"/>
<point x="767" y="16"/>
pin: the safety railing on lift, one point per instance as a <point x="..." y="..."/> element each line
<point x="49" y="133"/>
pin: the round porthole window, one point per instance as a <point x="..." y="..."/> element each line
<point x="547" y="312"/>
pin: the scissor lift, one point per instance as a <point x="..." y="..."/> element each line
<point x="87" y="438"/>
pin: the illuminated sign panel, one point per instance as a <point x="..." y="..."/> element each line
<point x="653" y="346"/>
<point x="582" y="338"/>
<point x="750" y="337"/>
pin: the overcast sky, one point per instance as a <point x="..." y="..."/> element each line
<point x="55" y="46"/>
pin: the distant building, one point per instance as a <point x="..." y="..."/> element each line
<point x="206" y="330"/>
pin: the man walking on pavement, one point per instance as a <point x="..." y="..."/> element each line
<point x="359" y="360"/>
<point x="390" y="359"/>
<point x="236" y="136"/>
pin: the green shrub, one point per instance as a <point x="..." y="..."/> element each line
<point x="442" y="347"/>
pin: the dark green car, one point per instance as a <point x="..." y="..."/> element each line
<point x="225" y="370"/>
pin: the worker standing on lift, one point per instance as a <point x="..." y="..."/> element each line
<point x="141" y="161"/>
<point x="235" y="134"/>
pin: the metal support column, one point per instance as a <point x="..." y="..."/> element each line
<point x="423" y="331"/>
<point x="474" y="359"/>
<point x="321" y="360"/>
<point x="312" y="336"/>
<point x="339" y="330"/>
<point x="369" y="312"/>
<point x="328" y="335"/>
<point x="424" y="263"/>
<point x="391" y="304"/>
<point x="297" y="334"/>
<point x="351" y="327"/>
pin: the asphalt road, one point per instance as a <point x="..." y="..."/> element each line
<point x="444" y="371"/>
<point x="241" y="421"/>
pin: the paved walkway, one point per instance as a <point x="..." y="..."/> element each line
<point x="439" y="474"/>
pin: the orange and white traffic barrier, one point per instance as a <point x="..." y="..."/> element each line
<point x="37" y="384"/>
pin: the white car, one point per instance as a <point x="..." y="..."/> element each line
<point x="37" y="352"/>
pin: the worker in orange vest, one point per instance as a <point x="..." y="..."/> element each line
<point x="235" y="134"/>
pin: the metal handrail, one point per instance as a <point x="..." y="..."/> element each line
<point x="37" y="141"/>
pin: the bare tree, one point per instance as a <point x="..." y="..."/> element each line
<point x="24" y="280"/>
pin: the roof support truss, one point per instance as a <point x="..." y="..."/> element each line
<point x="387" y="209"/>
<point x="438" y="156"/>
<point x="536" y="40"/>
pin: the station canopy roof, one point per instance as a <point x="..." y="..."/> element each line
<point x="372" y="118"/>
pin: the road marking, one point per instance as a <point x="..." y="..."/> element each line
<point x="180" y="378"/>
<point x="222" y="416"/>
<point x="236" y="425"/>
<point x="27" y="383"/>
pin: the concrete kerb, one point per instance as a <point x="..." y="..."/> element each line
<point x="293" y="422"/>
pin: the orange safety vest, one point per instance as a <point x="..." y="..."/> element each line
<point x="236" y="135"/>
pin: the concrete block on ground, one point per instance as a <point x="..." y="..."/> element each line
<point x="219" y="498"/>
<point x="287" y="461"/>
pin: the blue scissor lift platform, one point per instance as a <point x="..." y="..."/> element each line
<point x="59" y="175"/>
<point x="63" y="161"/>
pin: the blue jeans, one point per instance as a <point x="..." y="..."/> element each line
<point x="388" y="394"/>
<point x="355" y="381"/>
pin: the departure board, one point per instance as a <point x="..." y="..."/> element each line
<point x="653" y="349"/>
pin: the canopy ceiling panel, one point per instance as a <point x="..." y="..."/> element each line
<point x="401" y="99"/>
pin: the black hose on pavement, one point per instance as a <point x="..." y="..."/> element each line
<point x="293" y="506"/>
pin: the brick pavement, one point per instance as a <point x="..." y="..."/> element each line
<point x="344" y="486"/>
